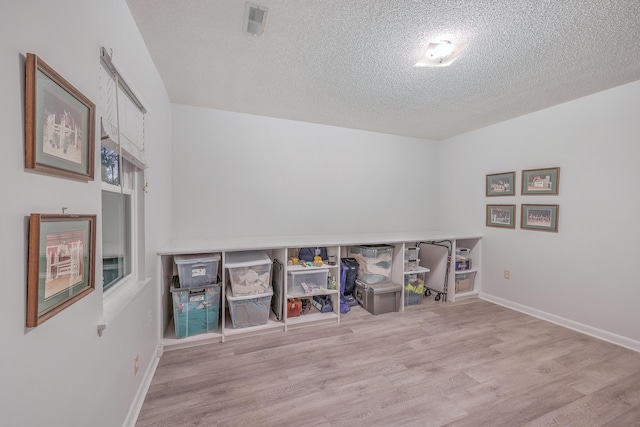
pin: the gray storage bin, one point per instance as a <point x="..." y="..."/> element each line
<point x="197" y="270"/>
<point x="379" y="298"/>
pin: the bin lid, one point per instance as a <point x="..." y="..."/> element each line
<point x="309" y="270"/>
<point x="195" y="289"/>
<point x="196" y="258"/>
<point x="368" y="247"/>
<point x="231" y="298"/>
<point x="246" y="259"/>
<point x="381" y="288"/>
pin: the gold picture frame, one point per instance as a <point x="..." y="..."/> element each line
<point x="61" y="263"/>
<point x="540" y="217"/>
<point x="540" y="181"/>
<point x="59" y="124"/>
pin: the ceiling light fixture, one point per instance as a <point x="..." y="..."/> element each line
<point x="441" y="54"/>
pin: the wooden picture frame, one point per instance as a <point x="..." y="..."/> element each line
<point x="540" y="217"/>
<point x="59" y="124"/>
<point x="540" y="181"/>
<point x="500" y="184"/>
<point x="61" y="263"/>
<point x="502" y="216"/>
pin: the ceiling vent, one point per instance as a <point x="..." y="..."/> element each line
<point x="255" y="18"/>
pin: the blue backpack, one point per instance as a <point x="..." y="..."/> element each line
<point x="307" y="254"/>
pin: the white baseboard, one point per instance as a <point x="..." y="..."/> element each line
<point x="136" y="405"/>
<point x="576" y="326"/>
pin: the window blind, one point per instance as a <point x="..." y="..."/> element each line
<point x="120" y="112"/>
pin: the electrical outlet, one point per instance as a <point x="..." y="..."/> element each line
<point x="507" y="274"/>
<point x="136" y="365"/>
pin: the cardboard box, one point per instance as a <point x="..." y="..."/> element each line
<point x="462" y="265"/>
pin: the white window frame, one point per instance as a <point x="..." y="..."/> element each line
<point x="131" y="174"/>
<point x="124" y="291"/>
<point x="133" y="233"/>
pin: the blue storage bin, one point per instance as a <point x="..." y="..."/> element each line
<point x="196" y="311"/>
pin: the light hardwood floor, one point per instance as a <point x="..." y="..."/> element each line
<point x="471" y="363"/>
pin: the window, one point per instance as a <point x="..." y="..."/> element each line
<point x="117" y="220"/>
<point x="123" y="163"/>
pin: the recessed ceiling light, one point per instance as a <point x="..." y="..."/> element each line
<point x="441" y="54"/>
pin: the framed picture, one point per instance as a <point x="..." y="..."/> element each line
<point x="540" y="217"/>
<point x="540" y="181"/>
<point x="501" y="216"/>
<point x="61" y="264"/>
<point x="501" y="184"/>
<point x="59" y="124"/>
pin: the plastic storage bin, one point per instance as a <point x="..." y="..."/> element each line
<point x="462" y="253"/>
<point x="195" y="311"/>
<point x="378" y="298"/>
<point x="197" y="270"/>
<point x="414" y="288"/>
<point x="249" y="310"/>
<point x="411" y="265"/>
<point x="307" y="282"/>
<point x="374" y="262"/>
<point x="411" y="254"/>
<point x="465" y="282"/>
<point x="249" y="272"/>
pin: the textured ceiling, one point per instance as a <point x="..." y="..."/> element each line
<point x="349" y="63"/>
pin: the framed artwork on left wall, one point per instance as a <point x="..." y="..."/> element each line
<point x="59" y="124"/>
<point x="61" y="263"/>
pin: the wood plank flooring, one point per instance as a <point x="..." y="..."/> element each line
<point x="470" y="363"/>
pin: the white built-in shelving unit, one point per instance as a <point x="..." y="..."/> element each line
<point x="283" y="248"/>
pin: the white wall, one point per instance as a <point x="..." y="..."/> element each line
<point x="61" y="372"/>
<point x="242" y="175"/>
<point x="583" y="276"/>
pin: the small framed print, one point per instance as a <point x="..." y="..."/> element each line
<point x="540" y="181"/>
<point x="540" y="217"/>
<point x="501" y="184"/>
<point x="61" y="263"/>
<point x="59" y="124"/>
<point x="502" y="216"/>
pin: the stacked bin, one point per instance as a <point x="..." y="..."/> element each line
<point x="413" y="287"/>
<point x="195" y="311"/>
<point x="249" y="292"/>
<point x="196" y="302"/>
<point x="374" y="262"/>
<point x="197" y="270"/>
<point x="413" y="277"/>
